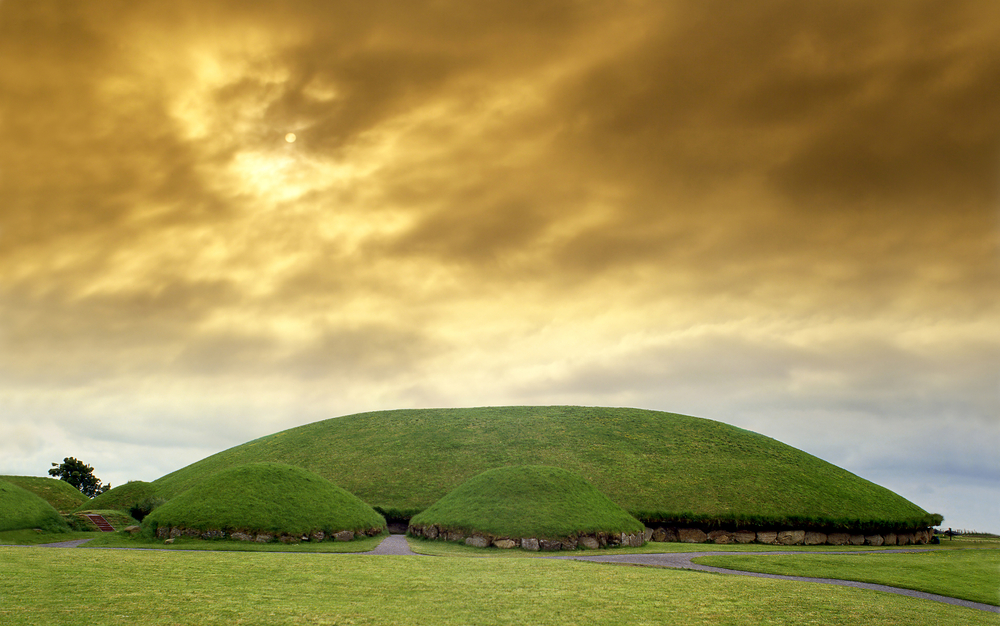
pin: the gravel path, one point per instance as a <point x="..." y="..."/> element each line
<point x="682" y="560"/>
<point x="394" y="545"/>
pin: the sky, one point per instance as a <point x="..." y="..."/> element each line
<point x="220" y="219"/>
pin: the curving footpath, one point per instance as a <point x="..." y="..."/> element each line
<point x="682" y="560"/>
<point x="396" y="545"/>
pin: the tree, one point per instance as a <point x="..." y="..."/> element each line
<point x="80" y="475"/>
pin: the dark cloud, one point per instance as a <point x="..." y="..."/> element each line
<point x="779" y="211"/>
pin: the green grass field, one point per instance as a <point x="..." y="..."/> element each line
<point x="63" y="496"/>
<point x="967" y="574"/>
<point x="83" y="587"/>
<point x="654" y="464"/>
<point x="528" y="501"/>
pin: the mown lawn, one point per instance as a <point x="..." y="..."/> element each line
<point x="968" y="574"/>
<point x="79" y="586"/>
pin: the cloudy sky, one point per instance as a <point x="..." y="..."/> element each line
<point x="782" y="215"/>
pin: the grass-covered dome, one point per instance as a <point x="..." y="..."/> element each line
<point x="123" y="496"/>
<point x="656" y="465"/>
<point x="63" y="496"/>
<point x="20" y="509"/>
<point x="268" y="498"/>
<point x="528" y="501"/>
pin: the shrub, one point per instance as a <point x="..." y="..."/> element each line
<point x="139" y="510"/>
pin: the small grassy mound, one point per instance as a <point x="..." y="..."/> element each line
<point x="266" y="498"/>
<point x="528" y="501"/>
<point x="137" y="498"/>
<point x="63" y="496"/>
<point x="19" y="509"/>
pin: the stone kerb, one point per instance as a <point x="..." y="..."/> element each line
<point x="788" y="537"/>
<point x="173" y="532"/>
<point x="586" y="541"/>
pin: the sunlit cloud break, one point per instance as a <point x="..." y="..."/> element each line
<point x="220" y="220"/>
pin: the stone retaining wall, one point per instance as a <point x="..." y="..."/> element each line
<point x="682" y="535"/>
<point x="172" y="532"/>
<point x="534" y="544"/>
<point x="792" y="537"/>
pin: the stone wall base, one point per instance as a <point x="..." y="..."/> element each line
<point x="532" y="544"/>
<point x="172" y="532"/>
<point x="792" y="537"/>
<point x="674" y="534"/>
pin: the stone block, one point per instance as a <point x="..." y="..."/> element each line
<point x="590" y="543"/>
<point x="505" y="544"/>
<point x="767" y="536"/>
<point x="530" y="544"/>
<point x="838" y="539"/>
<point x="691" y="535"/>
<point x="857" y="540"/>
<point x="744" y="536"/>
<point x="791" y="537"/>
<point x="874" y="540"/>
<point x="477" y="541"/>
<point x="720" y="536"/>
<point x="814" y="539"/>
<point x="344" y="535"/>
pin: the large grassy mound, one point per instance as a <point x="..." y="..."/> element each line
<point x="19" y="509"/>
<point x="528" y="501"/>
<point x="266" y="498"/>
<point x="63" y="496"/>
<point x="658" y="466"/>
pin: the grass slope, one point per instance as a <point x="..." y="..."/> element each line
<point x="63" y="496"/>
<point x="653" y="464"/>
<point x="266" y="497"/>
<point x="528" y="501"/>
<point x="19" y="509"/>
<point x="122" y="497"/>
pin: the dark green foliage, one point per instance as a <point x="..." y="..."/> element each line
<point x="61" y="495"/>
<point x="528" y="501"/>
<point x="80" y="475"/>
<point x="266" y="497"/>
<point x="655" y="465"/>
<point x="19" y="509"/>
<point x="139" y="510"/>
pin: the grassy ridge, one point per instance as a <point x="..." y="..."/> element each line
<point x="653" y="464"/>
<point x="123" y="496"/>
<point x="19" y="509"/>
<point x="528" y="501"/>
<point x="63" y="496"/>
<point x="266" y="497"/>
<point x="100" y="587"/>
